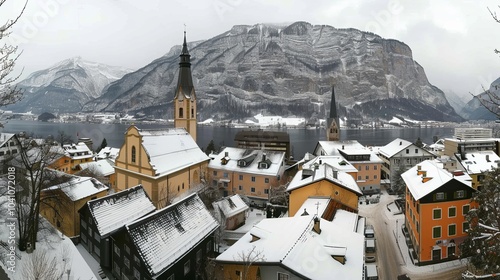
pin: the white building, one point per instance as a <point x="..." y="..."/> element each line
<point x="472" y="133"/>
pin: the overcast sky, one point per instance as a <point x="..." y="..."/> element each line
<point x="452" y="39"/>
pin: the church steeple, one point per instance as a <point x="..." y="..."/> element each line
<point x="333" y="127"/>
<point x="185" y="96"/>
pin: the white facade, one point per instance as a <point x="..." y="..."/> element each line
<point x="472" y="133"/>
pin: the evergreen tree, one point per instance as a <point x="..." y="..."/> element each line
<point x="103" y="145"/>
<point x="419" y="143"/>
<point x="483" y="242"/>
<point x="210" y="147"/>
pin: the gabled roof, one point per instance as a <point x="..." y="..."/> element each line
<point x="166" y="235"/>
<point x="112" y="212"/>
<point x="336" y="162"/>
<point x="291" y="243"/>
<point x="394" y="147"/>
<point x="251" y="157"/>
<point x="4" y="138"/>
<point x="108" y="152"/>
<point x="171" y="150"/>
<point x="347" y="147"/>
<point x="479" y="162"/>
<point x="324" y="172"/>
<point x="103" y="167"/>
<point x="313" y="206"/>
<point x="419" y="187"/>
<point x="231" y="205"/>
<point x="77" y="188"/>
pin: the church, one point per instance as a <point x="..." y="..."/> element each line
<point x="167" y="163"/>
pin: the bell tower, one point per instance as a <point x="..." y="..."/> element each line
<point x="333" y="126"/>
<point x="185" y="96"/>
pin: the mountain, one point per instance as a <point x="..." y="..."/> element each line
<point x="474" y="110"/>
<point x="456" y="101"/>
<point x="286" y="70"/>
<point x="66" y="86"/>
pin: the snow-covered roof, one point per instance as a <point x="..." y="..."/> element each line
<point x="324" y="172"/>
<point x="479" y="162"/>
<point x="231" y="156"/>
<point x="347" y="147"/>
<point x="292" y="243"/>
<point x="101" y="167"/>
<point x="108" y="152"/>
<point x="231" y="205"/>
<point x="113" y="211"/>
<point x="171" y="150"/>
<point x="77" y="188"/>
<point x="77" y="151"/>
<point x="438" y="176"/>
<point x="394" y="147"/>
<point x="166" y="235"/>
<point x="313" y="206"/>
<point x="4" y="138"/>
<point x="337" y="162"/>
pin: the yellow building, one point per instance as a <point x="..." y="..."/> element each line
<point x="61" y="202"/>
<point x="476" y="164"/>
<point x="165" y="162"/>
<point x="323" y="180"/>
<point x="185" y="96"/>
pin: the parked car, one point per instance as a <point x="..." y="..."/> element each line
<point x="371" y="272"/>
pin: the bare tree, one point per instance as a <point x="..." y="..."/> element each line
<point x="42" y="266"/>
<point x="9" y="93"/>
<point x="32" y="176"/>
<point x="248" y="259"/>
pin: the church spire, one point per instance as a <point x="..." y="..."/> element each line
<point x="185" y="97"/>
<point x="333" y="127"/>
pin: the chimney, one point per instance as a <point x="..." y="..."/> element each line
<point x="487" y="158"/>
<point x="335" y="174"/>
<point x="400" y="143"/>
<point x="342" y="147"/>
<point x="320" y="161"/>
<point x="226" y="154"/>
<point x="316" y="226"/>
<point x="263" y="156"/>
<point x="419" y="167"/>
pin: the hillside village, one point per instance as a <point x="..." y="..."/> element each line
<point x="159" y="207"/>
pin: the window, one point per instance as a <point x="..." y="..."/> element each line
<point x="240" y="188"/>
<point x="436" y="214"/>
<point x="96" y="236"/>
<point x="407" y="151"/>
<point x="359" y="167"/>
<point x="283" y="276"/>
<point x="266" y="191"/>
<point x="465" y="209"/>
<point x="440" y="196"/>
<point x="241" y="177"/>
<point x="126" y="262"/>
<point x="127" y="249"/>
<point x="209" y="246"/>
<point x="416" y="151"/>
<point x="359" y="177"/>
<point x="116" y="249"/>
<point x="465" y="227"/>
<point x="367" y="167"/>
<point x="116" y="268"/>
<point x="171" y="277"/>
<point x="418" y="227"/>
<point x="215" y="173"/>
<point x="408" y="161"/>
<point x="452" y="212"/>
<point x="187" y="267"/>
<point x="133" y="154"/>
<point x="226" y="175"/>
<point x="253" y="178"/>
<point x="198" y="256"/>
<point x="181" y="112"/>
<point x="137" y="274"/>
<point x="136" y="260"/>
<point x="84" y="224"/>
<point x="367" y="177"/>
<point x="452" y="230"/>
<point x="460" y="194"/>
<point x="252" y="189"/>
<point x="375" y="176"/>
<point x="266" y="180"/>
<point x="436" y="232"/>
<point x="84" y="238"/>
<point x="192" y="113"/>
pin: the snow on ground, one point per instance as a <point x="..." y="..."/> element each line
<point x="51" y="243"/>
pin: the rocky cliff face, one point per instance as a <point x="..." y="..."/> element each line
<point x="66" y="86"/>
<point x="286" y="70"/>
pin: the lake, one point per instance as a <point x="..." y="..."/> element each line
<point x="302" y="140"/>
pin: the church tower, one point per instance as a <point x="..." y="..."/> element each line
<point x="185" y="97"/>
<point x="332" y="124"/>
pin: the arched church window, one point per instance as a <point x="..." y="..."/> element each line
<point x="133" y="153"/>
<point x="181" y="112"/>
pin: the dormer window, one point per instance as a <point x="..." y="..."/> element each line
<point x="263" y="165"/>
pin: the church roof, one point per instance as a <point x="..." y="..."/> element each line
<point x="185" y="80"/>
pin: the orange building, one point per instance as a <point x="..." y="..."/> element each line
<point x="247" y="172"/>
<point x="321" y="179"/>
<point x="436" y="204"/>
